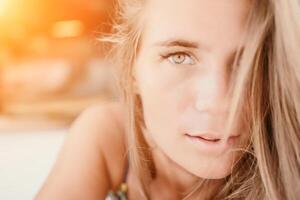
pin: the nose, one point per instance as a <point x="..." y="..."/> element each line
<point x="211" y="91"/>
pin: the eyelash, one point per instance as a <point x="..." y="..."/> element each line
<point x="169" y="55"/>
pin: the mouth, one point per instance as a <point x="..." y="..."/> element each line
<point x="205" y="138"/>
<point x="211" y="143"/>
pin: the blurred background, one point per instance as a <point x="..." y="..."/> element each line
<point x="51" y="68"/>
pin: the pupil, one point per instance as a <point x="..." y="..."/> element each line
<point x="179" y="58"/>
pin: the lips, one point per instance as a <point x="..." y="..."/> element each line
<point x="211" y="144"/>
<point x="205" y="137"/>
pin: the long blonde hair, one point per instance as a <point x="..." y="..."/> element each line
<point x="267" y="82"/>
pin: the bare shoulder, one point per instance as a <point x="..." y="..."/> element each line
<point x="92" y="159"/>
<point x="104" y="125"/>
<point x="104" y="122"/>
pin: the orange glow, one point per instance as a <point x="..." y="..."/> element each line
<point x="3" y="5"/>
<point x="65" y="29"/>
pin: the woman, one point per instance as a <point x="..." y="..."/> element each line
<point x="210" y="106"/>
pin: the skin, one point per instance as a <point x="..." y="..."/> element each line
<point x="181" y="75"/>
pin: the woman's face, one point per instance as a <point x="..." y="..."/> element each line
<point x="182" y="74"/>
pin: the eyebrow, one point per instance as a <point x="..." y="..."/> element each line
<point x="191" y="44"/>
<point x="179" y="43"/>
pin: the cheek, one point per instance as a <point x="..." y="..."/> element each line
<point x="158" y="102"/>
<point x="161" y="96"/>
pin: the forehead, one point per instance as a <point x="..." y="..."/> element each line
<point x="213" y="23"/>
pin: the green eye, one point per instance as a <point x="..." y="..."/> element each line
<point x="181" y="59"/>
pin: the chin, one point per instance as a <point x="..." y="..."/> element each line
<point x="212" y="169"/>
